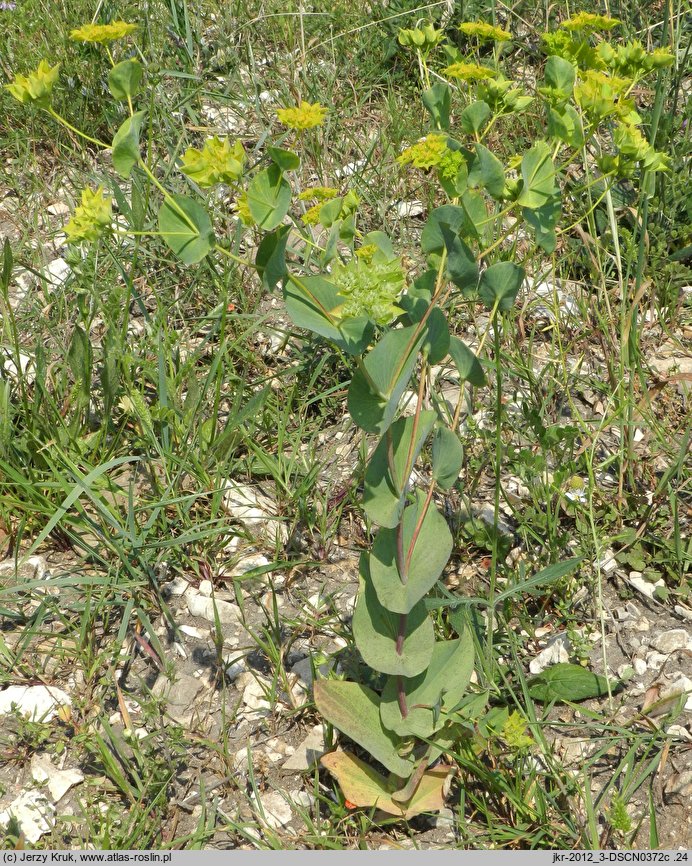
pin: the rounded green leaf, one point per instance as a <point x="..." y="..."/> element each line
<point x="355" y="711"/>
<point x="468" y="365"/>
<point x="269" y="197"/>
<point x="560" y="74"/>
<point x="487" y="171"/>
<point x="436" y="343"/>
<point x="387" y="473"/>
<point x="447" y="457"/>
<point x="424" y="549"/>
<point x="310" y="302"/>
<point x="381" y="240"/>
<point x="501" y="282"/>
<point x="462" y="268"/>
<point x="375" y="630"/>
<point x="124" y="79"/>
<point x="285" y="159"/>
<point x="543" y="221"/>
<point x="474" y="117"/>
<point x="368" y="409"/>
<point x="125" y="147"/>
<point x="438" y="100"/>
<point x="330" y="211"/>
<point x="185" y="227"/>
<point x="538" y="174"/>
<point x="377" y="386"/>
<point x="313" y="303"/>
<point x="270" y="259"/>
<point x="564" y="123"/>
<point x="476" y="212"/>
<point x="432" y="239"/>
<point x="430" y="694"/>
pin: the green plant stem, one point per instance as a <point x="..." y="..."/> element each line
<point x="404" y="563"/>
<point x="233" y="257"/>
<point x="419" y="525"/>
<point x="167" y="196"/>
<point x="400" y="687"/>
<point x="401" y="694"/>
<point x="494" y="318"/>
<point x="54" y="114"/>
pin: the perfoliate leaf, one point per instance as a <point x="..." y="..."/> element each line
<point x="313" y="303"/>
<point x="468" y="365"/>
<point x="567" y="682"/>
<point x="418" y="296"/>
<point x="500" y="282"/>
<point x="125" y="147"/>
<point x="432" y="693"/>
<point x="269" y="197"/>
<point x="487" y="171"/>
<point x="538" y="174"/>
<point x="543" y="221"/>
<point x="384" y="247"/>
<point x="422" y="548"/>
<point x="462" y="268"/>
<point x="476" y="213"/>
<point x="185" y="227"/>
<point x="560" y="74"/>
<point x="377" y="386"/>
<point x="438" y="100"/>
<point x="355" y="711"/>
<point x="285" y="159"/>
<point x="124" y="79"/>
<point x="376" y="629"/>
<point x="270" y="259"/>
<point x="564" y="123"/>
<point x="447" y="457"/>
<point x="330" y="211"/>
<point x="436" y="344"/>
<point x="474" y="117"/>
<point x="432" y="240"/>
<point x="386" y="482"/>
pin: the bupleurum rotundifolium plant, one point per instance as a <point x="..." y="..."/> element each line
<point x="353" y="291"/>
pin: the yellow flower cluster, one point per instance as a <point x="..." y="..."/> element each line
<point x="450" y="163"/>
<point x="588" y="22"/>
<point x="305" y="116"/>
<point x="426" y="153"/>
<point x="37" y="86"/>
<point x="468" y="72"/>
<point x="317" y="214"/>
<point x="485" y="32"/>
<point x="321" y="193"/>
<point x="514" y="733"/>
<point x="367" y="252"/>
<point x="600" y="95"/>
<point x="242" y="208"/>
<point x="91" y="218"/>
<point x="311" y="217"/>
<point x="216" y="162"/>
<point x="103" y="33"/>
